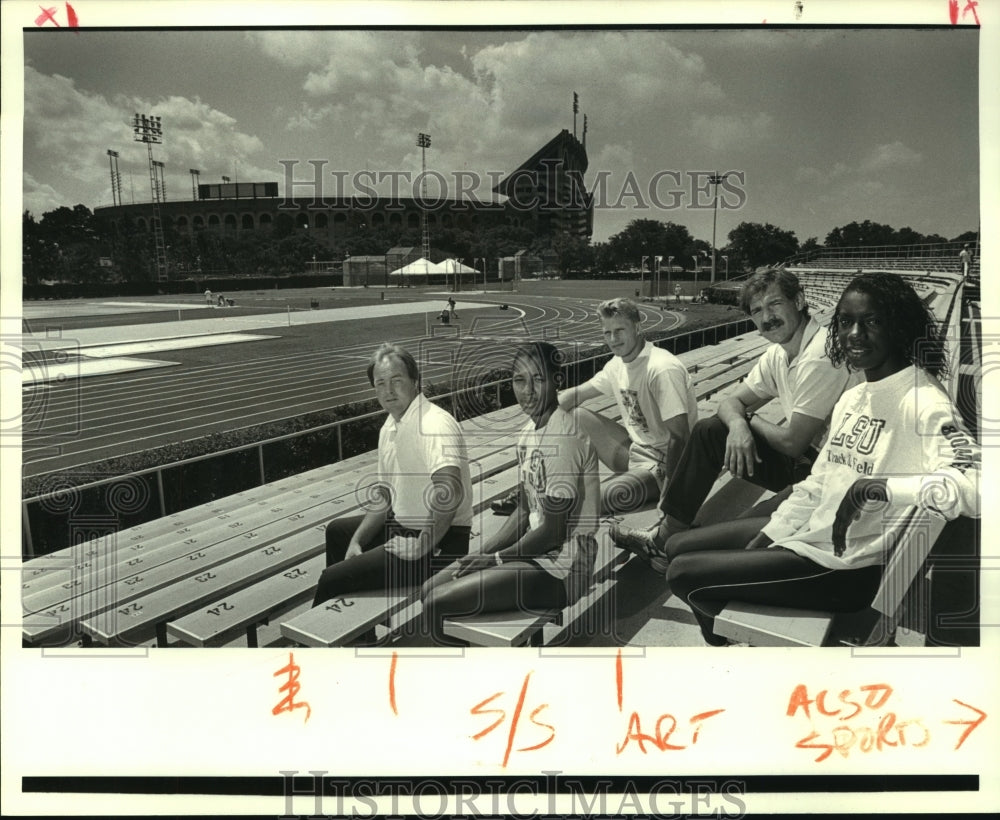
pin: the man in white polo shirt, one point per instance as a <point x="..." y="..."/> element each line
<point x="796" y="371"/>
<point x="422" y="504"/>
<point x="657" y="405"/>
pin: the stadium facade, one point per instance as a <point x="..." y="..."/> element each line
<point x="545" y="194"/>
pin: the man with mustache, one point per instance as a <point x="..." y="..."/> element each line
<point x="796" y="371"/>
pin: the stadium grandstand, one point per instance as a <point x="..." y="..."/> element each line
<point x="546" y="193"/>
<point x="244" y="570"/>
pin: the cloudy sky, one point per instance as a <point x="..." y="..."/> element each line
<point x="827" y="126"/>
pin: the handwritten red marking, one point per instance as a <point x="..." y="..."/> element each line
<point x="550" y="727"/>
<point x="479" y="710"/>
<point x="392" y="684"/>
<point x="618" y="678"/>
<point x="877" y="695"/>
<point x="843" y="738"/>
<point x="47" y="15"/>
<point x="973" y="725"/>
<point x="291" y="686"/>
<point x="886" y="730"/>
<point x="517" y="716"/>
<point x="659" y="738"/>
<point x="873" y="701"/>
<point x="702" y="717"/>
<point x="971" y="6"/>
<point x="953" y="11"/>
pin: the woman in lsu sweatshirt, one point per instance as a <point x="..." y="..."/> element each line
<point x="895" y="443"/>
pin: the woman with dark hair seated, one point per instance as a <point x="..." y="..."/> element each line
<point x="896" y="441"/>
<point x="543" y="555"/>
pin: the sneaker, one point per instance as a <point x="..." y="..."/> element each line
<point x="507" y="504"/>
<point x="642" y="543"/>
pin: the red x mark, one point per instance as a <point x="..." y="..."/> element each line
<point x="48" y="15"/>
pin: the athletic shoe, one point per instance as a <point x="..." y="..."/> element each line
<point x="507" y="504"/>
<point x="642" y="543"/>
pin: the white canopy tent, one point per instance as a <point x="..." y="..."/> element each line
<point x="418" y="267"/>
<point x="453" y="266"/>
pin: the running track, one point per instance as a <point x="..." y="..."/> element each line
<point x="94" y="418"/>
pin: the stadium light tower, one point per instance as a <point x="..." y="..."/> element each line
<point x="642" y="274"/>
<point x="116" y="180"/>
<point x="160" y="181"/>
<point x="423" y="143"/>
<point x="149" y="129"/>
<point x="195" y="175"/>
<point x="715" y="179"/>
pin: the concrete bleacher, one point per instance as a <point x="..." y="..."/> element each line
<point x="823" y="286"/>
<point x="242" y="570"/>
<point x="252" y="553"/>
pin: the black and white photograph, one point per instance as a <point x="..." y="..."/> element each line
<point x="435" y="408"/>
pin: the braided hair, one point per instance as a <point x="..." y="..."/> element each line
<point x="916" y="335"/>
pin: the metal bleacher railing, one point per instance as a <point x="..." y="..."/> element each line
<point x="66" y="496"/>
<point x="938" y="256"/>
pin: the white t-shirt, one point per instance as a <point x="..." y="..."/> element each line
<point x="560" y="462"/>
<point x="424" y="440"/>
<point x="809" y="384"/>
<point x="902" y="428"/>
<point x="650" y="390"/>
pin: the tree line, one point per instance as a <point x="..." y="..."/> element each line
<point x="77" y="245"/>
<point x="749" y="245"/>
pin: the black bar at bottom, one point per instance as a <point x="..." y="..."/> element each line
<point x="562" y="783"/>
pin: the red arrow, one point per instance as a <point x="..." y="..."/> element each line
<point x="972" y="724"/>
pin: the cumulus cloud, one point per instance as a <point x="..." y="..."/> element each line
<point x="611" y="155"/>
<point x="356" y="100"/>
<point x="303" y="49"/>
<point x="40" y="197"/>
<point x="722" y="132"/>
<point x="308" y="118"/>
<point x="500" y="101"/>
<point x="890" y="155"/>
<point x="67" y="132"/>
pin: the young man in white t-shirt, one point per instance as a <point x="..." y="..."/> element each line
<point x="657" y="405"/>
<point x="796" y="371"/>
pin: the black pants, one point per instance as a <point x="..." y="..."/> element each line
<point x="376" y="568"/>
<point x="710" y="566"/>
<point x="702" y="459"/>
